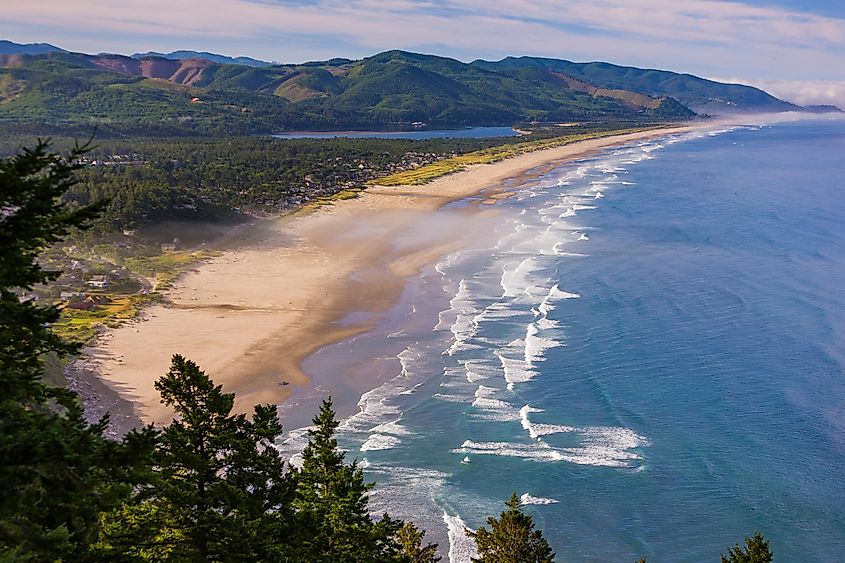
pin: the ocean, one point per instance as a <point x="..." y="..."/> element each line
<point x="648" y="350"/>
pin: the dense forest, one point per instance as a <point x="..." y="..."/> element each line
<point x="210" y="486"/>
<point x="152" y="179"/>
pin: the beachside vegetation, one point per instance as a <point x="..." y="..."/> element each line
<point x="429" y="172"/>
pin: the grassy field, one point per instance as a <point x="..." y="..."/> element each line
<point x="164" y="268"/>
<point x="82" y="325"/>
<point x="427" y="173"/>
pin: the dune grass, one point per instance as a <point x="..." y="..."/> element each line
<point x="429" y="172"/>
<point x="81" y="326"/>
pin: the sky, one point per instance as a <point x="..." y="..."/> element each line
<point x="794" y="48"/>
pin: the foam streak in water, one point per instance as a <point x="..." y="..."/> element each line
<point x="462" y="548"/>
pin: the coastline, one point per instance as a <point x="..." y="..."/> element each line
<point x="295" y="284"/>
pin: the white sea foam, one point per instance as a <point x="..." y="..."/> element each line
<point x="412" y="390"/>
<point x="291" y="447"/>
<point x="450" y="398"/>
<point x="452" y="259"/>
<point x="515" y="281"/>
<point x="609" y="446"/>
<point x="534" y="451"/>
<point x="606" y="455"/>
<point x="558" y="250"/>
<point x="493" y="408"/>
<point x="375" y="406"/>
<point x="462" y="548"/>
<point x="393" y="428"/>
<point x="477" y="371"/>
<point x="536" y="430"/>
<point x="380" y="442"/>
<point x="515" y="370"/>
<point x="484" y="391"/>
<point x="527" y="499"/>
<point x="459" y="319"/>
<point x="496" y="311"/>
<point x="536" y="346"/>
<point x="547" y="305"/>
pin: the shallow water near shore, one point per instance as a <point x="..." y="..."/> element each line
<point x="648" y="348"/>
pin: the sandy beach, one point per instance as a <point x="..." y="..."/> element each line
<point x="250" y="316"/>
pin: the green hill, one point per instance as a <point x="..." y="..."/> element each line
<point x="698" y="94"/>
<point x="390" y="90"/>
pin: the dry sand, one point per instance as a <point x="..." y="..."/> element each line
<point x="250" y="316"/>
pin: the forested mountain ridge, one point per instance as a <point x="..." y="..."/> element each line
<point x="213" y="57"/>
<point x="699" y="94"/>
<point x="390" y="90"/>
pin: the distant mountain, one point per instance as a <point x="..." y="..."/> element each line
<point x="11" y="48"/>
<point x="821" y="108"/>
<point x="391" y="90"/>
<point x="222" y="59"/>
<point x="698" y="94"/>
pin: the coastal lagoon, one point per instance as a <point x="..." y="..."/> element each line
<point x="648" y="348"/>
<point x="466" y="133"/>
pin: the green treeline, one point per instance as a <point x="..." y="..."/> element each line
<point x="150" y="180"/>
<point x="210" y="486"/>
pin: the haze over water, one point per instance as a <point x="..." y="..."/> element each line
<point x="650" y="352"/>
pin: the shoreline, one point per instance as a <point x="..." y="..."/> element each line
<point x="251" y="316"/>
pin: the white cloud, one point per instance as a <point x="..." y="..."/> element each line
<point x="704" y="36"/>
<point x="801" y="92"/>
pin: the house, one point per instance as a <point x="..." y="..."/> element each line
<point x="81" y="304"/>
<point x="99" y="282"/>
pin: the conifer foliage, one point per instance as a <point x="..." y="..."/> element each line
<point x="57" y="471"/>
<point x="410" y="540"/>
<point x="511" y="538"/>
<point x="219" y="492"/>
<point x="756" y="551"/>
<point x="332" y="506"/>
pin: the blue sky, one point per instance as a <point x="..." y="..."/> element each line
<point x="777" y="42"/>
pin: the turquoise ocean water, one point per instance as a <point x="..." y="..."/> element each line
<point x="649" y="350"/>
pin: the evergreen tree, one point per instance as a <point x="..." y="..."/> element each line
<point x="756" y="551"/>
<point x="411" y="550"/>
<point x="334" y="524"/>
<point x="512" y="538"/>
<point x="219" y="493"/>
<point x="57" y="471"/>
